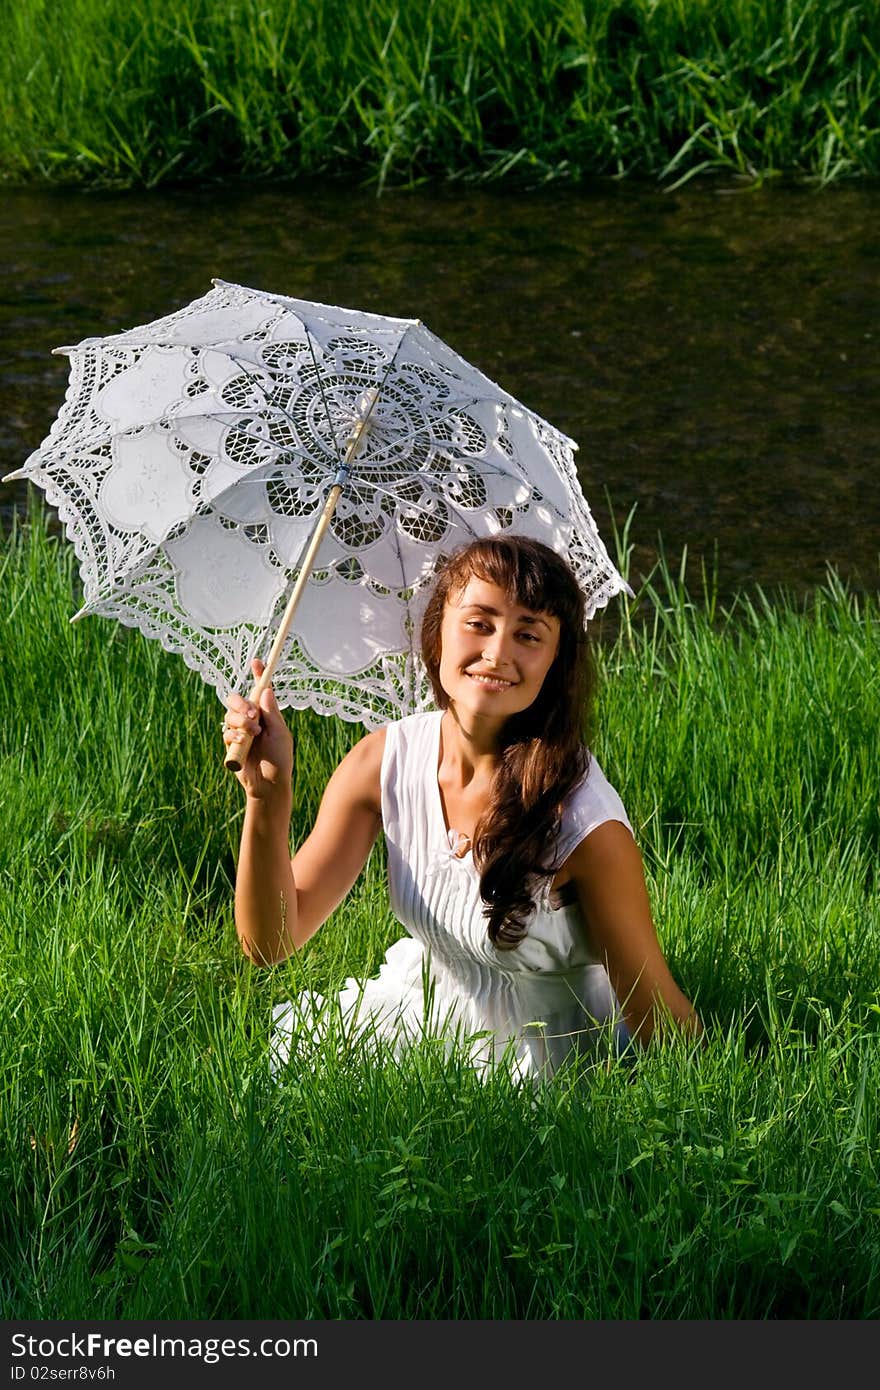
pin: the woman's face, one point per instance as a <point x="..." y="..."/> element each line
<point x="494" y="653"/>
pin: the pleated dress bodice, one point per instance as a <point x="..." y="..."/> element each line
<point x="549" y="989"/>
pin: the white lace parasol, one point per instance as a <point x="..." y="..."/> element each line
<point x="193" y="457"/>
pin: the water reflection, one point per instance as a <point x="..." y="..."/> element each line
<point x="714" y="351"/>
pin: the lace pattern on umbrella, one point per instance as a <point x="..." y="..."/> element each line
<point x="193" y="456"/>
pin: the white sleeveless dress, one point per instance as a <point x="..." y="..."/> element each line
<point x="532" y="1006"/>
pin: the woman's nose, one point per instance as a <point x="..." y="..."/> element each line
<point x="495" y="651"/>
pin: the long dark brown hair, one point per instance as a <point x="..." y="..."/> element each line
<point x="543" y="753"/>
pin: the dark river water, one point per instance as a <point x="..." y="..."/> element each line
<point x="715" y="351"/>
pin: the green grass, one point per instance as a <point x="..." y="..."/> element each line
<point x="139" y="92"/>
<point x="149" y="1167"/>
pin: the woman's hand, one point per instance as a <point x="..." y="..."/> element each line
<point x="268" y="768"/>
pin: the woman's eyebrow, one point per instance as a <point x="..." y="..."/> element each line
<point x="523" y="617"/>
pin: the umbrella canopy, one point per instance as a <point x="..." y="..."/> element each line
<point x="193" y="457"/>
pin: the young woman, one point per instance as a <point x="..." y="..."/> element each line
<point x="511" y="861"/>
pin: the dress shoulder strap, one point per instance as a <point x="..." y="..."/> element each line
<point x="592" y="802"/>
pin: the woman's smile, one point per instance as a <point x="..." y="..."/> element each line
<point x="489" y="680"/>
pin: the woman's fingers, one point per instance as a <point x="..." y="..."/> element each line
<point x="267" y="696"/>
<point x="241" y="715"/>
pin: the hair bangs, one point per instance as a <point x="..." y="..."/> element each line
<point x="526" y="574"/>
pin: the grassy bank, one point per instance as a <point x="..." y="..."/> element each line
<point x="138" y="92"/>
<point x="151" y="1170"/>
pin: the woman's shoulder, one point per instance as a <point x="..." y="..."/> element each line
<point x="367" y="761"/>
<point x="371" y="748"/>
<point x="359" y="773"/>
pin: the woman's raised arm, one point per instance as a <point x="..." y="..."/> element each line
<point x="279" y="904"/>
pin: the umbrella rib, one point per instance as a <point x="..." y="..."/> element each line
<point x="485" y="472"/>
<point x="320" y="379"/>
<point x="428" y="427"/>
<point x="234" y="416"/>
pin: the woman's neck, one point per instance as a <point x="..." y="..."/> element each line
<point x="470" y="746"/>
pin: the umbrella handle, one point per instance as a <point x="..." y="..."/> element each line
<point x="240" y="746"/>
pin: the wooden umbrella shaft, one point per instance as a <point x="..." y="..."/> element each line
<point x="301" y="581"/>
<point x="240" y="747"/>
